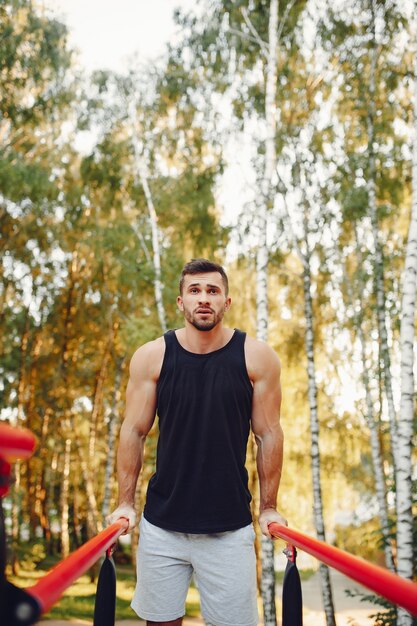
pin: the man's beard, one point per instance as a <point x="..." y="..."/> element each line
<point x="204" y="324"/>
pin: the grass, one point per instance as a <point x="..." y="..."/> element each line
<point x="78" y="601"/>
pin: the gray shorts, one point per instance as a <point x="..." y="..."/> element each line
<point x="224" y="567"/>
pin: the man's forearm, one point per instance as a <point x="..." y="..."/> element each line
<point x="269" y="464"/>
<point x="129" y="464"/>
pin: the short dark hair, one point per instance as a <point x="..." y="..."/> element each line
<point x="199" y="266"/>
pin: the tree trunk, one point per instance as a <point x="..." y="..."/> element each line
<point x="385" y="359"/>
<point x="34" y="467"/>
<point x="373" y="425"/>
<point x="98" y="398"/>
<point x="66" y="426"/>
<point x="377" y="463"/>
<point x="95" y="524"/>
<point x="315" y="452"/>
<point x="15" y="515"/>
<point x="65" y="539"/>
<point x="268" y="569"/>
<point x="40" y="490"/>
<point x="111" y="448"/>
<point x="158" y="286"/>
<point x="404" y="468"/>
<point x="153" y="218"/>
<point x="50" y="481"/>
<point x="76" y="521"/>
<point x="17" y="486"/>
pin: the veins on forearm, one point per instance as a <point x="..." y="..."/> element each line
<point x="269" y="465"/>
<point x="129" y="462"/>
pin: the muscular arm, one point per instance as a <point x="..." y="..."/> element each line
<point x="267" y="429"/>
<point x="139" y="417"/>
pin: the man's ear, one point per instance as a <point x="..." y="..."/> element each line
<point x="228" y="304"/>
<point x="180" y="303"/>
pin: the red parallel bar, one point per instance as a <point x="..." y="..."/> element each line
<point x="392" y="587"/>
<point x="50" y="588"/>
<point x="16" y="443"/>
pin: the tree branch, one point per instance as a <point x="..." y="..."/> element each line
<point x="262" y="44"/>
<point x="284" y="19"/>
<point x="240" y="33"/>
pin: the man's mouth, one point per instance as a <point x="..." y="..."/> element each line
<point x="204" y="311"/>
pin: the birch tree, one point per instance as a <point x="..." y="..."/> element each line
<point x="314" y="430"/>
<point x="385" y="359"/>
<point x="114" y="419"/>
<point x="139" y="152"/>
<point x="404" y="469"/>
<point x="302" y="246"/>
<point x="355" y="287"/>
<point x="267" y="193"/>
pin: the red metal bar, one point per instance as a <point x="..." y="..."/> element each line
<point x="16" y="443"/>
<point x="392" y="587"/>
<point x="50" y="588"/>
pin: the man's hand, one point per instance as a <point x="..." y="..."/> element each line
<point x="266" y="517"/>
<point x="125" y="511"/>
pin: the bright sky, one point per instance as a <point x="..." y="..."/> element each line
<point x="107" y="32"/>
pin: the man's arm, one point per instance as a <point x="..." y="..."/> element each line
<point x="139" y="417"/>
<point x="265" y="370"/>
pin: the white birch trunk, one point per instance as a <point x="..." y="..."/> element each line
<point x="158" y="286"/>
<point x="377" y="464"/>
<point x="326" y="587"/>
<point x="20" y="419"/>
<point x="153" y="218"/>
<point x="304" y="257"/>
<point x="405" y="420"/>
<point x="372" y="422"/>
<point x="95" y="521"/>
<point x="65" y="540"/>
<point x="385" y="360"/>
<point x="98" y="401"/>
<point x="268" y="572"/>
<point x="15" y="517"/>
<point x="111" y="454"/>
<point x="51" y="480"/>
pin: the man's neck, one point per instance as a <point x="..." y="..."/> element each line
<point x="203" y="341"/>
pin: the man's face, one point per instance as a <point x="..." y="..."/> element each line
<point x="203" y="300"/>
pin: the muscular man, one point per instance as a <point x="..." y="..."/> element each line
<point x="209" y="385"/>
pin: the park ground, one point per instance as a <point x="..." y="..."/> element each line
<point x="349" y="611"/>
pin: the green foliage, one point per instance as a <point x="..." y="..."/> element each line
<point x="370" y="538"/>
<point x="363" y="539"/>
<point x="31" y="554"/>
<point x="34" y="59"/>
<point x="387" y="616"/>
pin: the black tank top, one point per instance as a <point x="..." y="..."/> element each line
<point x="204" y="405"/>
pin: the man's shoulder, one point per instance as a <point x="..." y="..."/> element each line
<point x="258" y="346"/>
<point x="148" y="358"/>
<point x="260" y="356"/>
<point x="150" y="347"/>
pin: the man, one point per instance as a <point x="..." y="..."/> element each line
<point x="209" y="385"/>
